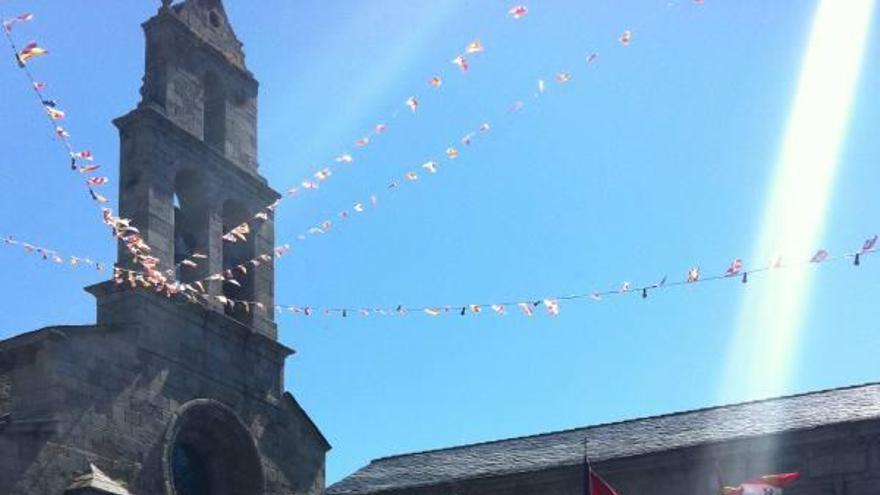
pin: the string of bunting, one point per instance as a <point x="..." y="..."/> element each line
<point x="313" y="181"/>
<point x="82" y="162"/>
<point x="551" y="304"/>
<point x="153" y="278"/>
<point x="360" y="206"/>
<point x="241" y="232"/>
<point x="51" y="255"/>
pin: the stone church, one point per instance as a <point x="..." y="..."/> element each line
<point x="162" y="397"/>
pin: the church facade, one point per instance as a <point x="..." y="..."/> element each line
<point x="160" y="396"/>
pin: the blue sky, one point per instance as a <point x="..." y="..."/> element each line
<point x="658" y="157"/>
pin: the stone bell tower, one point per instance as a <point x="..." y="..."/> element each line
<point x="163" y="396"/>
<point x="189" y="155"/>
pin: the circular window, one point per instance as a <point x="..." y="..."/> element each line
<point x="214" y="18"/>
<point x="209" y="451"/>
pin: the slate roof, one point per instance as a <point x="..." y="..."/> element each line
<point x="615" y="440"/>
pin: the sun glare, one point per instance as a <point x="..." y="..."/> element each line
<point x="765" y="344"/>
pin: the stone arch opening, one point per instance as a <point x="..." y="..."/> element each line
<point x="214" y="19"/>
<point x="236" y="261"/>
<point x="189" y="219"/>
<point x="215" y="112"/>
<point x="209" y="451"/>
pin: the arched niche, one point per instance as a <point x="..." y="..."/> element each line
<point x="190" y="219"/>
<point x="209" y="451"/>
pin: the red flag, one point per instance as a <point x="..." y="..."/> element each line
<point x="526" y="309"/>
<point x="461" y="62"/>
<point x="734" y="268"/>
<point x="97" y="181"/>
<point x="598" y="486"/>
<point x="777" y="480"/>
<point x="83" y="155"/>
<point x="869" y="244"/>
<point x="819" y="257"/>
<point x="518" y="11"/>
<point x="9" y="23"/>
<point x="771" y="484"/>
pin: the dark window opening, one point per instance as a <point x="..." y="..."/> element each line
<point x="215" y="19"/>
<point x="184" y="242"/>
<point x="190" y="226"/>
<point x="132" y="182"/>
<point x="212" y="453"/>
<point x="190" y="470"/>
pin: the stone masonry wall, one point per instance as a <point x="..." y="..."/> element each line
<point x="107" y="395"/>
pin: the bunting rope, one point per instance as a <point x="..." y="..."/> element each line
<point x="431" y="167"/>
<point x="51" y="255"/>
<point x="241" y="232"/>
<point x="154" y="278"/>
<point x="313" y="181"/>
<point x="529" y="307"/>
<point x="82" y="162"/>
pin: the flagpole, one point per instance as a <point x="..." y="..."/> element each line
<point x="588" y="471"/>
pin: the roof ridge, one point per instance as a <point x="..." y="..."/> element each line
<point x="625" y="421"/>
